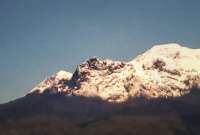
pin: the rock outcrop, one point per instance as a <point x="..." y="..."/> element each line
<point x="163" y="71"/>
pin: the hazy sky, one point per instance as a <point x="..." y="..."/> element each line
<point x="41" y="37"/>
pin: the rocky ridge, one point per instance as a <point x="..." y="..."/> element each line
<point x="163" y="71"/>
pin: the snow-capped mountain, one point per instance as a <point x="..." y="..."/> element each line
<point x="163" y="71"/>
<point x="157" y="92"/>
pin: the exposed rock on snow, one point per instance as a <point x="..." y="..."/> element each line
<point x="168" y="70"/>
<point x="53" y="82"/>
<point x="163" y="71"/>
<point x="103" y="78"/>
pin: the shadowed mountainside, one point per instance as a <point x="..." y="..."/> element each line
<point x="59" y="114"/>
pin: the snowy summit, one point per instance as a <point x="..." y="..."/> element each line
<point x="168" y="70"/>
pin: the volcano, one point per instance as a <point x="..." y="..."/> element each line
<point x="158" y="92"/>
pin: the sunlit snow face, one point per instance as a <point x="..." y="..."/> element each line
<point x="53" y="80"/>
<point x="160" y="72"/>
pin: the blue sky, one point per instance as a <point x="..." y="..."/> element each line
<point x="41" y="37"/>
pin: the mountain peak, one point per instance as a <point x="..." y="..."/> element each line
<point x="52" y="81"/>
<point x="169" y="45"/>
<point x="63" y="75"/>
<point x="168" y="70"/>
